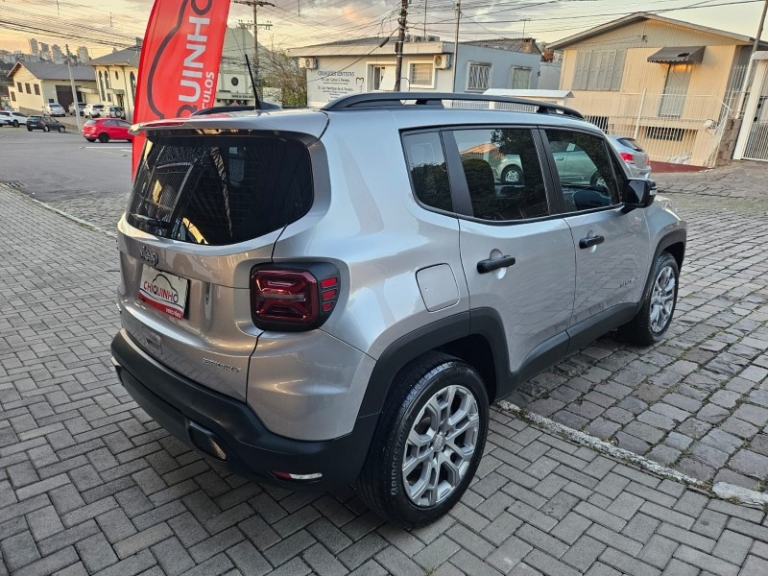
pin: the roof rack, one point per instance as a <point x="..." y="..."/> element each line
<point x="397" y="99"/>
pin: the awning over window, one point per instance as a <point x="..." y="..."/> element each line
<point x="678" y="55"/>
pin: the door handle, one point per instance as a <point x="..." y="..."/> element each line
<point x="485" y="266"/>
<point x="590" y="241"/>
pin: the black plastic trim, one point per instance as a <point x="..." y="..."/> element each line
<point x="251" y="450"/>
<point x="589" y="330"/>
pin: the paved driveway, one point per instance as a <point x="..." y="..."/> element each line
<point x="90" y="484"/>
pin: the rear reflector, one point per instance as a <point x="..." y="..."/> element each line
<point x="297" y="477"/>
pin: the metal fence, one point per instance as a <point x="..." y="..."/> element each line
<point x="674" y="128"/>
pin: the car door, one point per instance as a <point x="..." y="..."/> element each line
<point x="612" y="245"/>
<point x="517" y="253"/>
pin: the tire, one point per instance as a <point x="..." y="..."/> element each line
<point x="46" y="128"/>
<point x="103" y="137"/>
<point x="512" y="175"/>
<point x="91" y="139"/>
<point x="29" y="128"/>
<point x="419" y="387"/>
<point x="61" y="129"/>
<point x="15" y="123"/>
<point x="658" y="307"/>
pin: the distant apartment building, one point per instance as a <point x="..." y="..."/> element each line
<point x="56" y="54"/>
<point x="34" y="49"/>
<point x="82" y="55"/>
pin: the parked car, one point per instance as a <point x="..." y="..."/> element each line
<point x="80" y="106"/>
<point x="636" y="159"/>
<point x="14" y="118"/>
<point x="316" y="308"/>
<point x="114" y="112"/>
<point x="94" y="110"/>
<point x="5" y="121"/>
<point x="44" y="123"/>
<point x="54" y="109"/>
<point x="106" y="129"/>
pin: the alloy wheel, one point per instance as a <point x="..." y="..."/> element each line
<point x="662" y="299"/>
<point x="440" y="446"/>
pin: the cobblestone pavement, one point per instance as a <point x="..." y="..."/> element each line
<point x="745" y="179"/>
<point x="90" y="484"/>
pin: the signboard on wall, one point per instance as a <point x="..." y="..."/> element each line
<point x="332" y="84"/>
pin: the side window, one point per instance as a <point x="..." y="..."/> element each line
<point x="503" y="173"/>
<point x="585" y="169"/>
<point x="426" y="163"/>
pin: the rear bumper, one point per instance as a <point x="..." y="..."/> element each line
<point x="202" y="418"/>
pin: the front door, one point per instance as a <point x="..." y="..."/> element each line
<point x="612" y="247"/>
<point x="517" y="254"/>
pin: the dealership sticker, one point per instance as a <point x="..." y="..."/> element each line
<point x="163" y="291"/>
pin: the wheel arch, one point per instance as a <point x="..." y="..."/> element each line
<point x="477" y="337"/>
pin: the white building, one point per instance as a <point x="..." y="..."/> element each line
<point x="36" y="84"/>
<point x="82" y="55"/>
<point x="365" y="65"/>
<point x="116" y="73"/>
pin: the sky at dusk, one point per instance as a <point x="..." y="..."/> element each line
<point x="102" y="25"/>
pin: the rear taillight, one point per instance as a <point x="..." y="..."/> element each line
<point x="293" y="297"/>
<point x="627" y="157"/>
<point x="648" y="162"/>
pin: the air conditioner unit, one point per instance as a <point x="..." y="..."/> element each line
<point x="442" y="61"/>
<point x="308" y="63"/>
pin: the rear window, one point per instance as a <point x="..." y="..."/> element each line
<point x="90" y="122"/>
<point x="630" y="143"/>
<point x="220" y="190"/>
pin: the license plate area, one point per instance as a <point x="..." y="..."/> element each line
<point x="164" y="291"/>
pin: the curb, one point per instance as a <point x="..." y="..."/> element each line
<point x="721" y="490"/>
<point x="66" y="215"/>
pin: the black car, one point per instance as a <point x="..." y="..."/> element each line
<point x="44" y="123"/>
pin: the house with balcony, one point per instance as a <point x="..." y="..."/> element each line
<point x="368" y="65"/>
<point x="672" y="85"/>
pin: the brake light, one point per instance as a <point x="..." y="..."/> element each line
<point x="292" y="297"/>
<point x="648" y="162"/>
<point x="627" y="157"/>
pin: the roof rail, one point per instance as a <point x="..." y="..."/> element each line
<point x="396" y="99"/>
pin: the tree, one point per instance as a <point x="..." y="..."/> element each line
<point x="278" y="70"/>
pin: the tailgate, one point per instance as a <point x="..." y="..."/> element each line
<point x="205" y="209"/>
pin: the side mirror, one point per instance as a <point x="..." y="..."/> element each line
<point x="639" y="193"/>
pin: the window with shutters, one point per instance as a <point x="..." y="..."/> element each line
<point x="421" y="74"/>
<point x="520" y="79"/>
<point x="599" y="69"/>
<point x="479" y="78"/>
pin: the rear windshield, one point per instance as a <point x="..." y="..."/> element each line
<point x="220" y="189"/>
<point x="90" y="122"/>
<point x="630" y="143"/>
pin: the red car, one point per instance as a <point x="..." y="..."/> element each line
<point x="106" y="129"/>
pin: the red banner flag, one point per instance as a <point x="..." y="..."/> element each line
<point x="179" y="64"/>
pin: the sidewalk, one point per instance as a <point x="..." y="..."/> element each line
<point x="90" y="485"/>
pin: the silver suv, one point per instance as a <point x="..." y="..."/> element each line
<point x="319" y="298"/>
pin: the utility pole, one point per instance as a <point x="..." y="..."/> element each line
<point x="255" y="4"/>
<point x="755" y="46"/>
<point x="74" y="90"/>
<point x="401" y="21"/>
<point x="456" y="44"/>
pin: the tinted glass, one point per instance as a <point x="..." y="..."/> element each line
<point x="220" y="190"/>
<point x="503" y="173"/>
<point x="426" y="163"/>
<point x="585" y="170"/>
